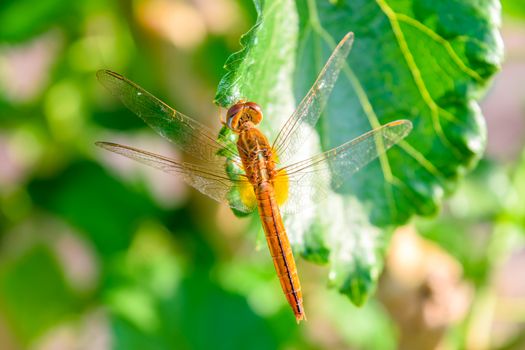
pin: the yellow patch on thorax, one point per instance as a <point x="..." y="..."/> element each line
<point x="280" y="182"/>
<point x="280" y="185"/>
<point x="247" y="194"/>
<point x="251" y="141"/>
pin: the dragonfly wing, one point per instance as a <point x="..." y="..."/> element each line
<point x="301" y="123"/>
<point x="210" y="179"/>
<point x="190" y="135"/>
<point x="313" y="179"/>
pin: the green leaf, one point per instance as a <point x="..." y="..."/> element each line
<point x="426" y="61"/>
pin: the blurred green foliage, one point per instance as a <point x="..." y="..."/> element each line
<point x="93" y="255"/>
<point x="514" y="8"/>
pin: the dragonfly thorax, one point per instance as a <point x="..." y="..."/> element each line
<point x="243" y="115"/>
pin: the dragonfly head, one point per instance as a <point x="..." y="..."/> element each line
<point x="242" y="115"/>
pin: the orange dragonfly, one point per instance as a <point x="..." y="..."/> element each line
<point x="270" y="180"/>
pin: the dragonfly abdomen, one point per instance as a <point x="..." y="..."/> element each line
<point x="279" y="246"/>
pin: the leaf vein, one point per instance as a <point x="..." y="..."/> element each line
<point x="416" y="74"/>
<point x="438" y="38"/>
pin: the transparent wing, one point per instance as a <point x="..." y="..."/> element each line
<point x="210" y="179"/>
<point x="191" y="136"/>
<point x="301" y="123"/>
<point x="311" y="180"/>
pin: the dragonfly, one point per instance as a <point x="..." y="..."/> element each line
<point x="270" y="179"/>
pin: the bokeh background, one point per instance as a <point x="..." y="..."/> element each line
<point x="98" y="252"/>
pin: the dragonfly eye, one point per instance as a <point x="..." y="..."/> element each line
<point x="233" y="116"/>
<point x="255" y="112"/>
<point x="243" y="112"/>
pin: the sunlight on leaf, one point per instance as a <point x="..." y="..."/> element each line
<point x="428" y="62"/>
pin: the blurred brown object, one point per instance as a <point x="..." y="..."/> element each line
<point x="422" y="289"/>
<point x="186" y="24"/>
